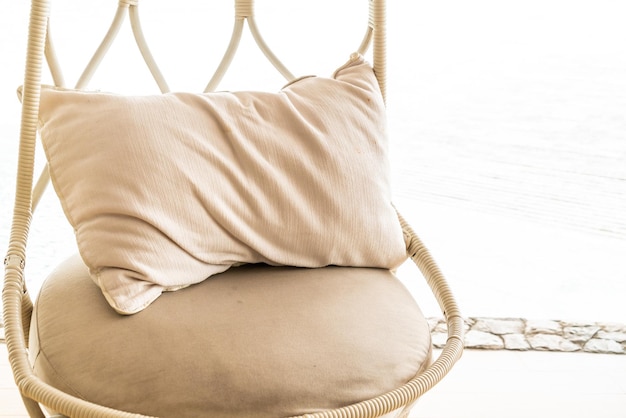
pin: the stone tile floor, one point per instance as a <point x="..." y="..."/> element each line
<point x="489" y="383"/>
<point x="537" y="334"/>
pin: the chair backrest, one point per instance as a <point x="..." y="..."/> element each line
<point x="205" y="44"/>
<point x="42" y="43"/>
<point x="43" y="52"/>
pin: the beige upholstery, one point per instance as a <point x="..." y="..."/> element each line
<point x="255" y="341"/>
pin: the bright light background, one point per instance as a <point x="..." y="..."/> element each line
<point x="507" y="123"/>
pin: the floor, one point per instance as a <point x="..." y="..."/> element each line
<point x="10" y="401"/>
<point x="511" y="384"/>
<point x="485" y="384"/>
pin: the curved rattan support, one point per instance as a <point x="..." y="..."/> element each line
<point x="244" y="11"/>
<point x="17" y="305"/>
<point x="378" y="23"/>
<point x="235" y="38"/>
<point x="107" y="41"/>
<point x="58" y="80"/>
<point x="367" y="40"/>
<point x="52" y="60"/>
<point x="124" y="6"/>
<point x="140" y="39"/>
<point x="40" y="187"/>
<point x="267" y="51"/>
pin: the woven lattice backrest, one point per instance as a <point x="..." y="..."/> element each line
<point x="216" y="45"/>
<point x="186" y="44"/>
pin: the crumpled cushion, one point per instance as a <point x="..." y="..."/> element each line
<point x="254" y="341"/>
<point x="164" y="191"/>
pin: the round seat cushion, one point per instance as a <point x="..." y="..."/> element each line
<point x="254" y="341"/>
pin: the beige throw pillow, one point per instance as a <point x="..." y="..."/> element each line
<point x="167" y="190"/>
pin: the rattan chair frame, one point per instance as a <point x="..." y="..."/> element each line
<point x="17" y="304"/>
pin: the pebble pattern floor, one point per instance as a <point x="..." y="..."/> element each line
<point x="542" y="335"/>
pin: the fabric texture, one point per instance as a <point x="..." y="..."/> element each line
<point x="254" y="341"/>
<point x="165" y="191"/>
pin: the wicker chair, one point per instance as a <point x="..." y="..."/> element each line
<point x="225" y="326"/>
